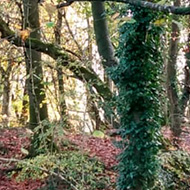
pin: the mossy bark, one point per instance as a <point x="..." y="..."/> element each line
<point x="37" y="99"/>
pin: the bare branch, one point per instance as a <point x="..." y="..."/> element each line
<point x="65" y="4"/>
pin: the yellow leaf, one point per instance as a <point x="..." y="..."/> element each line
<point x="24" y="34"/>
<point x="159" y="22"/>
<point x="116" y="15"/>
<point x="18" y="27"/>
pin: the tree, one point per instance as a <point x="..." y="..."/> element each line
<point x="35" y="88"/>
<point x="62" y="103"/>
<point x="55" y="52"/>
<point x="104" y="44"/>
<point x="178" y="103"/>
<point x="175" y="113"/>
<point x="6" y="74"/>
<point x="138" y="80"/>
<point x="37" y="100"/>
<point x="103" y="41"/>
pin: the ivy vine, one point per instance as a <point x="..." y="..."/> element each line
<point x="138" y="77"/>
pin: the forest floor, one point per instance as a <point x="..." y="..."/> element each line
<point x="12" y="140"/>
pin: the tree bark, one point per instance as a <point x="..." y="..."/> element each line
<point x="37" y="99"/>
<point x="186" y="89"/>
<point x="24" y="113"/>
<point x="177" y="104"/>
<point x="35" y="88"/>
<point x="62" y="103"/>
<point x="6" y="94"/>
<point x="105" y="48"/>
<point x="103" y="41"/>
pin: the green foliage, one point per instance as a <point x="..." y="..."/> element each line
<point x="74" y="168"/>
<point x="50" y="24"/>
<point x="175" y="171"/>
<point x="47" y="136"/>
<point x="138" y="79"/>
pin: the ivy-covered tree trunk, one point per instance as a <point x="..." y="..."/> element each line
<point x="138" y="80"/>
<point x="37" y="100"/>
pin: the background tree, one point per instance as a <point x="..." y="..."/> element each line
<point x="7" y="95"/>
<point x="62" y="103"/>
<point x="177" y="103"/>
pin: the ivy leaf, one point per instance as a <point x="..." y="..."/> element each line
<point x="131" y="21"/>
<point x="127" y="20"/>
<point x="50" y="24"/>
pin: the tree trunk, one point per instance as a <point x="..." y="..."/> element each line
<point x="138" y="81"/>
<point x="36" y="91"/>
<point x="105" y="48"/>
<point x="6" y="94"/>
<point x="25" y="103"/>
<point x="37" y="99"/>
<point x="62" y="103"/>
<point x="175" y="112"/>
<point x="186" y="89"/>
<point x="103" y="41"/>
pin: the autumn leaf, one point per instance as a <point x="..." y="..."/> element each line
<point x="160" y="22"/>
<point x="24" y="34"/>
<point x="115" y="16"/>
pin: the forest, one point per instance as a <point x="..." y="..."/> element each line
<point x="94" y="95"/>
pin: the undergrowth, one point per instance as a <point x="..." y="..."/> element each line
<point x="69" y="170"/>
<point x="175" y="171"/>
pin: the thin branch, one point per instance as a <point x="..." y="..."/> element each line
<point x="64" y="4"/>
<point x="71" y="33"/>
<point x="139" y="3"/>
<point x="56" y="69"/>
<point x="72" y="53"/>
